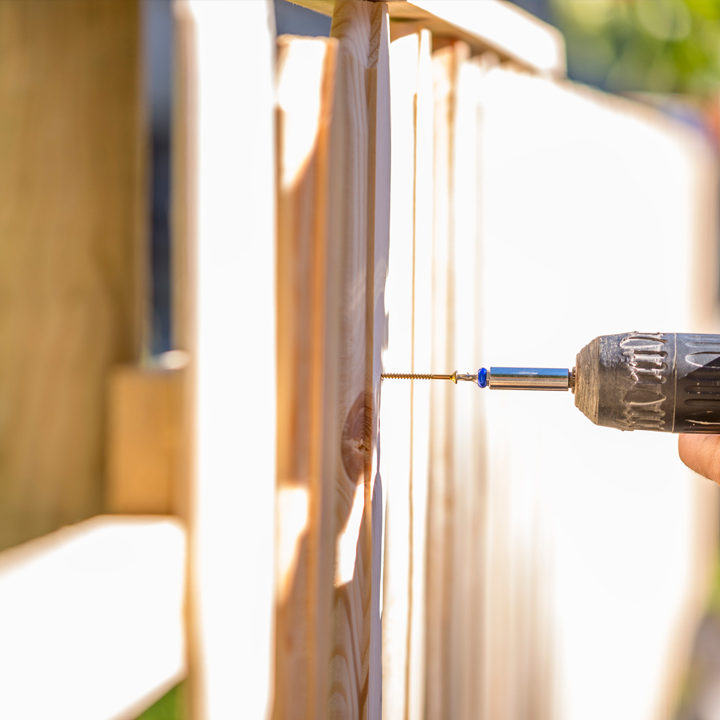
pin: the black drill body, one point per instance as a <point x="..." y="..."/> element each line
<point x="651" y="381"/>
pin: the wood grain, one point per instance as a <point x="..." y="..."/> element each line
<point x="396" y="423"/>
<point x="307" y="433"/>
<point x="357" y="221"/>
<point x="441" y="697"/>
<point x="405" y="409"/>
<point x="380" y="145"/>
<point x="422" y="358"/>
<point x="71" y="265"/>
<point x="333" y="147"/>
<point x="466" y="629"/>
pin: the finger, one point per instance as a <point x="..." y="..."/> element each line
<point x="701" y="453"/>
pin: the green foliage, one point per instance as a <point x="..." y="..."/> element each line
<point x="664" y="46"/>
<point x="168" y="707"/>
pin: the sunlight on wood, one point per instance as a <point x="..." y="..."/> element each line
<point x="347" y="540"/>
<point x="230" y="151"/>
<point x="293" y="506"/>
<point x="91" y="619"/>
<point x="300" y="61"/>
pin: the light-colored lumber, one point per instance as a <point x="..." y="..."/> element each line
<point x="380" y="143"/>
<point x="439" y="581"/>
<point x="71" y="261"/>
<point x="465" y="486"/>
<point x="454" y="591"/>
<point x="91" y="619"/>
<point x="333" y="151"/>
<point x="486" y="25"/>
<point x="404" y="418"/>
<point x="422" y="358"/>
<point x="307" y="432"/>
<point x="358" y="227"/>
<point x="146" y="446"/>
<point x="396" y="397"/>
<point x="229" y="158"/>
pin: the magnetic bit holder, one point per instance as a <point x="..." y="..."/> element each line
<point x="503" y="378"/>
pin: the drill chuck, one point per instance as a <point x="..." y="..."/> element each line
<point x="651" y="381"/>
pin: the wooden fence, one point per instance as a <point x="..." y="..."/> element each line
<point x="422" y="190"/>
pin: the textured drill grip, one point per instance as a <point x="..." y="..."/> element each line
<point x="651" y="381"/>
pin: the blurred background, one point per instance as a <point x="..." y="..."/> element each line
<point x="605" y="539"/>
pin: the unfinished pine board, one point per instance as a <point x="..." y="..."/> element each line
<point x="396" y="398"/>
<point x="333" y="242"/>
<point x="71" y="219"/>
<point x="145" y="442"/>
<point x="422" y="358"/>
<point x="404" y="449"/>
<point x="379" y="77"/>
<point x="307" y="341"/>
<point x="466" y="482"/>
<point x="358" y="226"/>
<point x="438" y="676"/>
<point x="231" y="275"/>
<point x="490" y="25"/>
<point x="91" y="619"/>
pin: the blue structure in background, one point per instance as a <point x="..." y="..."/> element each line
<point x="158" y="52"/>
<point x="294" y="20"/>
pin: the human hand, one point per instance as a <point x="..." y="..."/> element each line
<point x="701" y="453"/>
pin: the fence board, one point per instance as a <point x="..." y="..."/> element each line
<point x="396" y="399"/>
<point x="333" y="196"/>
<point x="306" y="423"/>
<point x="359" y="166"/>
<point x="71" y="264"/>
<point x="228" y="156"/>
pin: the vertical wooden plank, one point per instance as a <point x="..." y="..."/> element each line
<point x="451" y="465"/>
<point x="396" y="407"/>
<point x="405" y="406"/>
<point x="71" y="219"/>
<point x="307" y="433"/>
<point x="377" y="327"/>
<point x="333" y="244"/>
<point x="232" y="273"/>
<point x="437" y="669"/>
<point x="421" y="361"/>
<point x="465" y="479"/>
<point x="359" y="165"/>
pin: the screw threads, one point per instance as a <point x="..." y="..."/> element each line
<point x="414" y="376"/>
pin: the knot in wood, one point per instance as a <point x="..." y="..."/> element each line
<point x="356" y="438"/>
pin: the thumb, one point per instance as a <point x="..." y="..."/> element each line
<point x="701" y="453"/>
